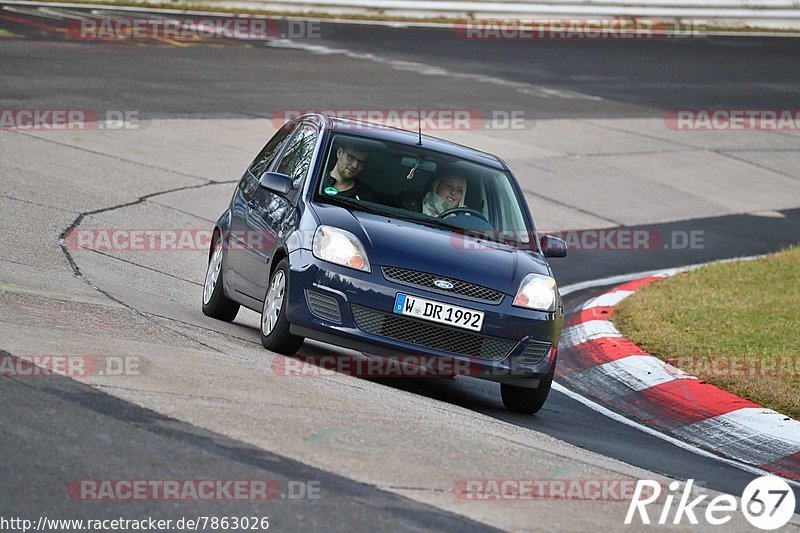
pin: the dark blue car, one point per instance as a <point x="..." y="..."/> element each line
<point x="394" y="244"/>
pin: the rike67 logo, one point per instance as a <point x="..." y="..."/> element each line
<point x="767" y="502"/>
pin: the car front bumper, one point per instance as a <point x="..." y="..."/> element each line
<point x="354" y="309"/>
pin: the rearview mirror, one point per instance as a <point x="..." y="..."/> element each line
<point x="276" y="182"/>
<point x="421" y="164"/>
<point x="553" y="246"/>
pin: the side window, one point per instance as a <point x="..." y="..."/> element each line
<point x="270" y="152"/>
<point x="296" y="158"/>
<point x="511" y="218"/>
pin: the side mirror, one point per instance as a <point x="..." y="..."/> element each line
<point x="553" y="246"/>
<point x="276" y="182"/>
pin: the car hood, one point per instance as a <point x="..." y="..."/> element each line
<point x="405" y="244"/>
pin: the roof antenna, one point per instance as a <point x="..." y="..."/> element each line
<point x="419" y="117"/>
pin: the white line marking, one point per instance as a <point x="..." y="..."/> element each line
<point x="639" y="372"/>
<point x="64" y="14"/>
<point x="767" y="421"/>
<point x="99" y="13"/>
<point x="32" y="12"/>
<point x="433" y="70"/>
<point x="748" y="422"/>
<point x="110" y="13"/>
<point x="587" y="331"/>
<point x="607" y="299"/>
<point x="672" y="440"/>
<point x="751" y="434"/>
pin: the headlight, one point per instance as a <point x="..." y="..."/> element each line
<point x="341" y="247"/>
<point x="537" y="292"/>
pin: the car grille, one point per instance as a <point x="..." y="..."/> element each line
<point x="324" y="306"/>
<point x="424" y="280"/>
<point x="533" y="353"/>
<point x="441" y="338"/>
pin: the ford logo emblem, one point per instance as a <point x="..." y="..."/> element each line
<point x="443" y="284"/>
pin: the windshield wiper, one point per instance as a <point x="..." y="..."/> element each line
<point x="443" y="224"/>
<point x="349" y="202"/>
<point x="491" y="236"/>
<point x="422" y="219"/>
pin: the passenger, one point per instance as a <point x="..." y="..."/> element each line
<point x="444" y="193"/>
<point x="342" y="180"/>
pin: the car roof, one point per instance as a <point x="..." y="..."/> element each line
<point x="382" y="132"/>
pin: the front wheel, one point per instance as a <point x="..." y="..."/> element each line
<point x="524" y="400"/>
<point x="215" y="303"/>
<point x="275" y="334"/>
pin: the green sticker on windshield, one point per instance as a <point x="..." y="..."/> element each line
<point x="331" y="191"/>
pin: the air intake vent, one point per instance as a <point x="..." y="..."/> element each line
<point x="533" y="353"/>
<point x="324" y="306"/>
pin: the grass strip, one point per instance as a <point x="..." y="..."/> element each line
<point x="736" y="325"/>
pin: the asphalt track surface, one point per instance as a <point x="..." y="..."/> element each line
<point x="43" y="70"/>
<point x="636" y="78"/>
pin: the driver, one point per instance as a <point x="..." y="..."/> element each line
<point x="343" y="177"/>
<point x="444" y="193"/>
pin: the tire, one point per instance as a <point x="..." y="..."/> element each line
<point x="274" y="328"/>
<point x="523" y="400"/>
<point x="215" y="303"/>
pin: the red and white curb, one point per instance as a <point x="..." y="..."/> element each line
<point x="597" y="361"/>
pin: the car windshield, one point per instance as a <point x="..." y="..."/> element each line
<point x="414" y="183"/>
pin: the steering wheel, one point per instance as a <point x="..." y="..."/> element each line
<point x="465" y="211"/>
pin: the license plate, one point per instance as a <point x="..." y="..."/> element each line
<point x="405" y="304"/>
